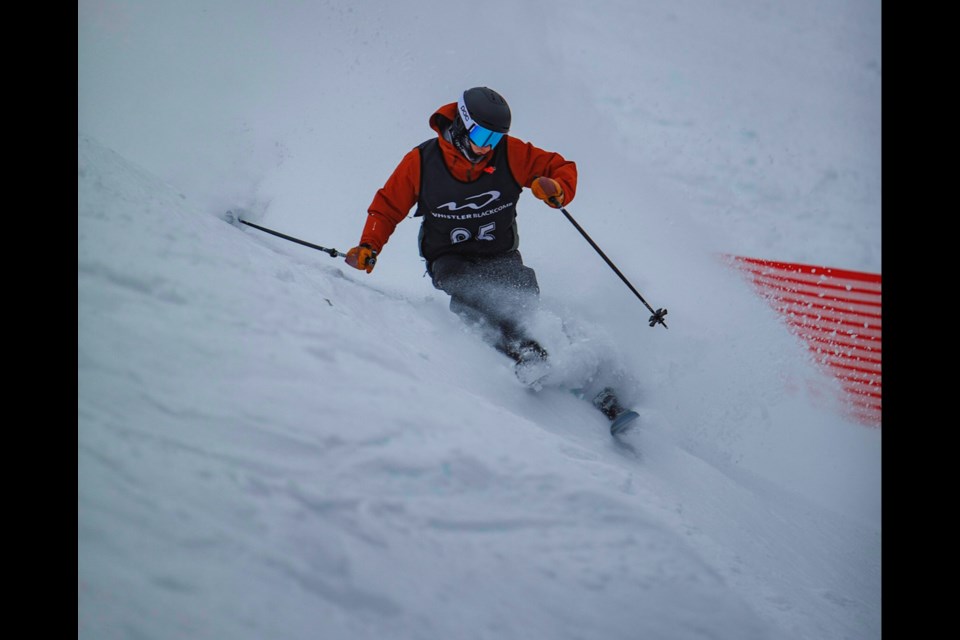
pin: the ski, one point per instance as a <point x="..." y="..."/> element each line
<point x="623" y="422"/>
<point x="532" y="368"/>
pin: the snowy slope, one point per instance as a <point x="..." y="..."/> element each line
<point x="269" y="447"/>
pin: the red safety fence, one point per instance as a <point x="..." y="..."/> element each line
<point x="837" y="313"/>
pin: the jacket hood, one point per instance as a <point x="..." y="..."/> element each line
<point x="443" y="117"/>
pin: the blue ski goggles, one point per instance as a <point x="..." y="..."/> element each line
<point x="483" y="137"/>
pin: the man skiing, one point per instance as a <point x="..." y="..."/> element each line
<point x="466" y="182"/>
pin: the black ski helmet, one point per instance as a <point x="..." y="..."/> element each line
<point x="485" y="107"/>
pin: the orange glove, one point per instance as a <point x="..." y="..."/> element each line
<point x="362" y="257"/>
<point x="548" y="190"/>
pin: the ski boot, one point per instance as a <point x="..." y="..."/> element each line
<point x="620" y="417"/>
<point x="531" y="361"/>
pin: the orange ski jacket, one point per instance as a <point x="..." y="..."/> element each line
<point x="399" y="194"/>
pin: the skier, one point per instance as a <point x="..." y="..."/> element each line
<point x="466" y="183"/>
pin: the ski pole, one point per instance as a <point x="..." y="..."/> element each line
<point x="333" y="252"/>
<point x="658" y="315"/>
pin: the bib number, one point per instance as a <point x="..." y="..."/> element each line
<point x="462" y="235"/>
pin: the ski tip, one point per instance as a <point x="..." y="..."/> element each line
<point x="624" y="421"/>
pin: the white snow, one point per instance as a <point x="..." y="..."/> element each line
<point x="274" y="445"/>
